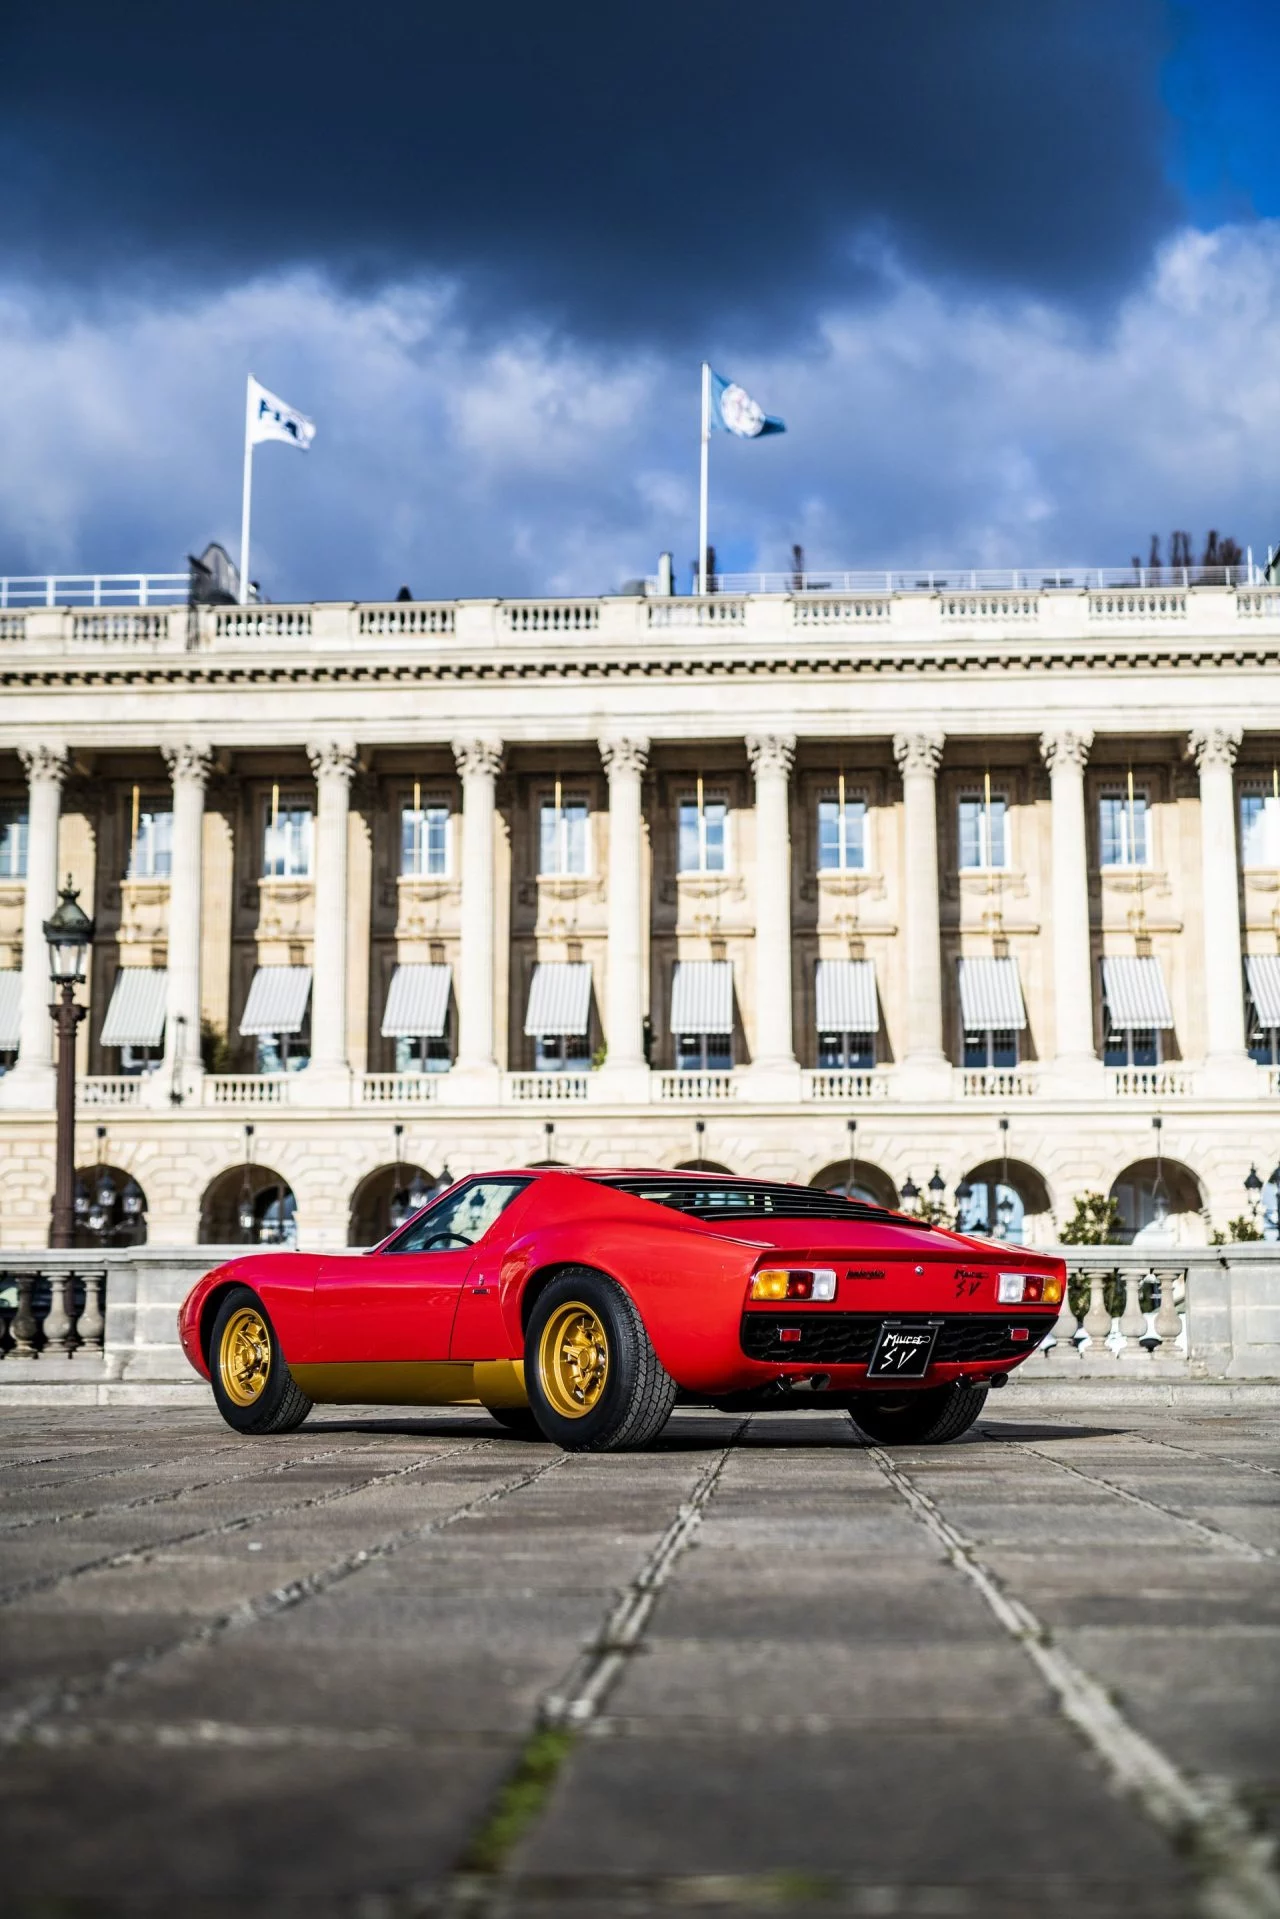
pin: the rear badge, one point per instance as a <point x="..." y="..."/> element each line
<point x="903" y="1352"/>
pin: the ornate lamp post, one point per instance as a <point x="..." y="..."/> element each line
<point x="69" y="935"/>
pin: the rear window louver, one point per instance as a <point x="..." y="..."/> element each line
<point x="747" y="1199"/>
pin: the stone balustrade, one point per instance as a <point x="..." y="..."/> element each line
<point x="102" y="1326"/>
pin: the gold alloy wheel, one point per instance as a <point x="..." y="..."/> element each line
<point x="244" y="1356"/>
<point x="573" y="1359"/>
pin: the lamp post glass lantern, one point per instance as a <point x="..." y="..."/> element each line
<point x="69" y="935"/>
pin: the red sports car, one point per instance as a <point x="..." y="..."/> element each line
<point x="582" y="1305"/>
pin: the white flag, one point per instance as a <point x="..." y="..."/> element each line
<point x="270" y="419"/>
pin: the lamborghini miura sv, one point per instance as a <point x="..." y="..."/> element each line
<point x="583" y="1305"/>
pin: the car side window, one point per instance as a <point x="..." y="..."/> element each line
<point x="459" y="1220"/>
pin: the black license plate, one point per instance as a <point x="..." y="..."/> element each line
<point x="903" y="1352"/>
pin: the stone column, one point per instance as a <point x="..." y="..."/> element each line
<point x="1075" y="1057"/>
<point x="328" y="1077"/>
<point x="1214" y="750"/>
<point x="918" y="756"/>
<point x="189" y="766"/>
<point x="771" y="756"/>
<point x="31" y="1083"/>
<point x="625" y="761"/>
<point x="476" y="1073"/>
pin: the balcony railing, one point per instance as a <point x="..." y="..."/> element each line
<point x="1150" y="1082"/>
<point x="110" y="1089"/>
<point x="839" y="1084"/>
<point x="529" y="1089"/>
<point x="998" y="1082"/>
<point x="247" y="1089"/>
<point x="694" y="1088"/>
<point x="398" y="1089"/>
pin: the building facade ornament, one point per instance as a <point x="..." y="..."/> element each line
<point x="771" y="752"/>
<point x="1068" y="748"/>
<point x="333" y="760"/>
<point x="188" y="762"/>
<point x="919" y="752"/>
<point x="1214" y="746"/>
<point x="478" y="756"/>
<point x="47" y="765"/>
<point x="629" y="755"/>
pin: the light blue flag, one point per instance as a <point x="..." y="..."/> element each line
<point x="734" y="411"/>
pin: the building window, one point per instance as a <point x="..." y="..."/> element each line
<point x="286" y="843"/>
<point x="842" y="832"/>
<point x="1263" y="1045"/>
<point x="983" y="838"/>
<point x="1122" y="823"/>
<point x="151" y="844"/>
<point x="284" y="1052"/>
<point x="423" y="1053"/>
<point x="13" y="841"/>
<point x="562" y="834"/>
<point x="135" y="1060"/>
<point x="704" y="1052"/>
<point x="561" y="1053"/>
<point x="704" y="833"/>
<point x="424" y="838"/>
<point x="846" y="1051"/>
<point x="1133" y="1046"/>
<point x="1260" y="829"/>
<point x="990" y="1048"/>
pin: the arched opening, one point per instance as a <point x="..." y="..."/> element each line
<point x="385" y="1199"/>
<point x="1004" y="1199"/>
<point x="1161" y="1204"/>
<point x="110" y="1207"/>
<point x="248" y="1205"/>
<point x="702" y="1166"/>
<point x="858" y="1179"/>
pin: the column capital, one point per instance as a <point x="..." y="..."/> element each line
<point x="333" y="760"/>
<point x="190" y="762"/>
<point x="625" y="755"/>
<point x="45" y="763"/>
<point x="1068" y="748"/>
<point x="1214" y="746"/>
<point x="919" y="752"/>
<point x="478" y="756"/>
<point x="771" y="752"/>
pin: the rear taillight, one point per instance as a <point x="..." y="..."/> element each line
<point x="1029" y="1289"/>
<point x="794" y="1282"/>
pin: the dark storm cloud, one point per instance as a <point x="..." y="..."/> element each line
<point x="627" y="172"/>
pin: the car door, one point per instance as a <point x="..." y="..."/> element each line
<point x="399" y="1303"/>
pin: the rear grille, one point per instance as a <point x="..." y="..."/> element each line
<point x="848" y="1339"/>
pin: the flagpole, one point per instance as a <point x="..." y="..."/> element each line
<point x="702" y="491"/>
<point x="245" y="497"/>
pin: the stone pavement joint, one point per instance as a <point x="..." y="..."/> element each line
<point x="1217" y="1536"/>
<point x="251" y="1612"/>
<point x="1235" y="1864"/>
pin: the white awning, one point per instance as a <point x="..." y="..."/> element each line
<point x="1135" y="993"/>
<point x="846" y="997"/>
<point x="10" y="1010"/>
<point x="135" y="1016"/>
<point x="417" y="1002"/>
<point x="277" y="1001"/>
<point x="702" y="996"/>
<point x="991" y="996"/>
<point x="1264" y="986"/>
<point x="559" y="1000"/>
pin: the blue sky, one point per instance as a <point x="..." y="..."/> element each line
<point x="1011" y="274"/>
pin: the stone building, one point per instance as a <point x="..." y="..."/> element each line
<point x="934" y="880"/>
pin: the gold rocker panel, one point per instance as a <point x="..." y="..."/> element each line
<point x="415" y="1382"/>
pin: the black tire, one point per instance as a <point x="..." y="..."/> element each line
<point x="517" y="1420"/>
<point x="927" y="1418"/>
<point x="271" y="1401"/>
<point x="625" y="1409"/>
